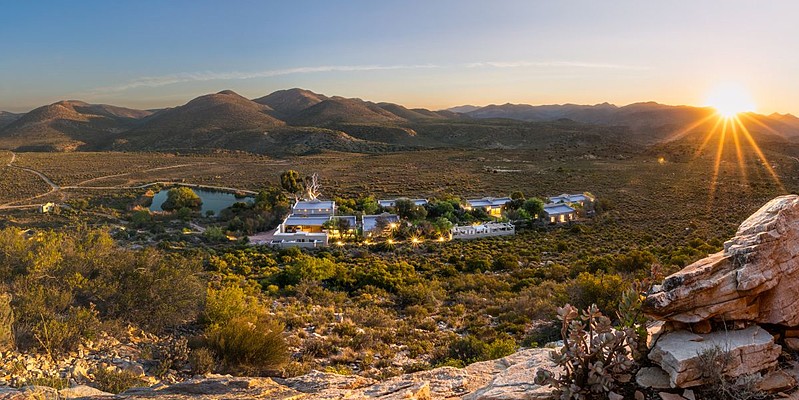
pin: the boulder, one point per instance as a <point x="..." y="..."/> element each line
<point x="652" y="377"/>
<point x="750" y="350"/>
<point x="776" y="381"/>
<point x="755" y="278"/>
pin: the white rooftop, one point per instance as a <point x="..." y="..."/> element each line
<point x="489" y="202"/>
<point x="295" y="220"/>
<point x="392" y="202"/>
<point x="557" y="209"/>
<point x="315" y="205"/>
<point x="370" y="221"/>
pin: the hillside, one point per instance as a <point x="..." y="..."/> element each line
<point x="289" y="102"/>
<point x="7" y="118"/>
<point x="213" y="118"/>
<point x="340" y="110"/>
<point x="68" y="125"/>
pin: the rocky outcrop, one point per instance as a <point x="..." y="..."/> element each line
<point x="679" y="354"/>
<point x="755" y="278"/>
<point x="509" y="378"/>
<point x="751" y="284"/>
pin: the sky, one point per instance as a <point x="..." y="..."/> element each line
<point x="426" y="53"/>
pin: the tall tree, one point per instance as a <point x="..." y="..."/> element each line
<point x="291" y="182"/>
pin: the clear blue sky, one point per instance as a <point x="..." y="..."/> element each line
<point x="433" y="53"/>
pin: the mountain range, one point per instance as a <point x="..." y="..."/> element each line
<point x="299" y="121"/>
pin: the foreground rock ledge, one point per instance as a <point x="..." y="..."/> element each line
<point x="508" y="378"/>
<point x="678" y="353"/>
<point x="755" y="278"/>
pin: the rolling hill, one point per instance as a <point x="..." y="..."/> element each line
<point x="288" y="103"/>
<point x="69" y="125"/>
<point x="7" y="118"/>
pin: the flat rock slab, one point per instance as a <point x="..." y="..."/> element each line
<point x="678" y="353"/>
<point x="81" y="392"/>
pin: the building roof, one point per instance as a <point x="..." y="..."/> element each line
<point x="392" y="202"/>
<point x="370" y="221"/>
<point x="557" y="209"/>
<point x="295" y="220"/>
<point x="569" y="198"/>
<point x="489" y="202"/>
<point x="314" y="205"/>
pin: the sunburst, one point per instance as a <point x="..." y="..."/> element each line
<point x="733" y="108"/>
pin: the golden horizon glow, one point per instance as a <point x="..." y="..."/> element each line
<point x="729" y="100"/>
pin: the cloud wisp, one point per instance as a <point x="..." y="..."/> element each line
<point x="165" y="80"/>
<point x="158" y="81"/>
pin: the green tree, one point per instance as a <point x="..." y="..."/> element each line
<point x="292" y="183"/>
<point x="534" y="207"/>
<point x="180" y="197"/>
<point x="407" y="209"/>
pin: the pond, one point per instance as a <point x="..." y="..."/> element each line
<point x="212" y="200"/>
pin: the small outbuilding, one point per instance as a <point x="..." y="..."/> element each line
<point x="559" y="213"/>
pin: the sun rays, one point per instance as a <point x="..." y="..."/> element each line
<point x="731" y="134"/>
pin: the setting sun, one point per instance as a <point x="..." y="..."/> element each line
<point x="730" y="100"/>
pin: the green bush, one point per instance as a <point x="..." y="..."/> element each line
<point x="181" y="197"/>
<point x="228" y="303"/>
<point x="250" y="347"/>
<point x="470" y="349"/>
<point x="602" y="289"/>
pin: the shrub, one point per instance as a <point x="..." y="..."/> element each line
<point x="113" y="381"/>
<point x="713" y="363"/>
<point x="202" y="361"/>
<point x="214" y="234"/>
<point x="251" y="347"/>
<point x="49" y="381"/>
<point x="153" y="290"/>
<point x="500" y="348"/>
<point x="61" y="334"/>
<point x="228" y="303"/>
<point x="593" y="361"/>
<point x="470" y="349"/>
<point x="601" y="289"/>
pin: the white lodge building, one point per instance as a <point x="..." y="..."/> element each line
<point x="559" y="213"/>
<point x="487" y="229"/>
<point x="493" y="206"/>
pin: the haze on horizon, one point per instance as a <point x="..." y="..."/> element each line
<point x="149" y="54"/>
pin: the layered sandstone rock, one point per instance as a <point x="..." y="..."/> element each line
<point x="755" y="278"/>
<point x="679" y="354"/>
